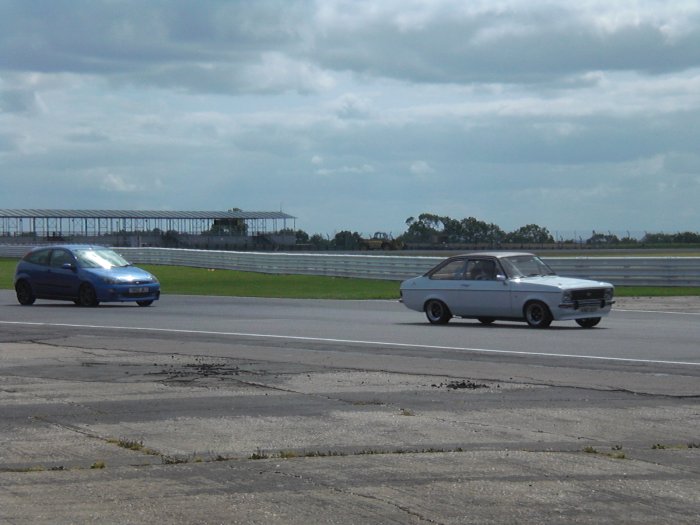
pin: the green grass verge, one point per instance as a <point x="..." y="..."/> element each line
<point x="200" y="281"/>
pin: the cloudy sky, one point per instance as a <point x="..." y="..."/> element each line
<point x="352" y="114"/>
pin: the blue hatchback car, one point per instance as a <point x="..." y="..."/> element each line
<point x="84" y="274"/>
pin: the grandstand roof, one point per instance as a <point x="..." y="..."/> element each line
<point x="141" y="214"/>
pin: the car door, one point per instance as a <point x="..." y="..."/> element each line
<point x="483" y="292"/>
<point x="445" y="283"/>
<point x="62" y="280"/>
<point x="36" y="266"/>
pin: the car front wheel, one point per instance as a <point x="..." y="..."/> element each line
<point x="588" y="322"/>
<point x="87" y="295"/>
<point x="537" y="314"/>
<point x="437" y="312"/>
<point x="25" y="296"/>
<point x="144" y="303"/>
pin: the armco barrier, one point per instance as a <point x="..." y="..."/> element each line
<point x="640" y="271"/>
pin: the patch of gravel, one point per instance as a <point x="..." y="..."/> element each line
<point x="689" y="304"/>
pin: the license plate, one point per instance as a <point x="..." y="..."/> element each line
<point x="589" y="309"/>
<point x="142" y="289"/>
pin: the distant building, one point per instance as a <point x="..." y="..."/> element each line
<point x="186" y="229"/>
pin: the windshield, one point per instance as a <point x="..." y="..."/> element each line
<point x="525" y="266"/>
<point x="100" y="259"/>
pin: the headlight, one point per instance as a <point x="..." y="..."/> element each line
<point x="566" y="296"/>
<point x="609" y="294"/>
<point x="109" y="280"/>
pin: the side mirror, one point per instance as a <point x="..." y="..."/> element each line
<point x="69" y="266"/>
<point x="501" y="277"/>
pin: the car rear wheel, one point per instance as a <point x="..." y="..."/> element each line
<point x="25" y="296"/>
<point x="537" y="314"/>
<point x="87" y="295"/>
<point x="588" y="322"/>
<point x="437" y="312"/>
<point x="144" y="303"/>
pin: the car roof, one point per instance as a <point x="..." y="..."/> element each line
<point x="497" y="255"/>
<point x="71" y="247"/>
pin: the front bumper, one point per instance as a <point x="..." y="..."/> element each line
<point x="587" y="305"/>
<point x="129" y="292"/>
<point x="583" y="309"/>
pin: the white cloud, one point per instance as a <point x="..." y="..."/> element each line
<point x="421" y="168"/>
<point x="346" y="170"/>
<point x="112" y="182"/>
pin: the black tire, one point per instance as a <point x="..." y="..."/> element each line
<point x="588" y="322"/>
<point x="537" y="314"/>
<point x="25" y="296"/>
<point x="437" y="312"/>
<point x="145" y="303"/>
<point x="486" y="320"/>
<point x="87" y="295"/>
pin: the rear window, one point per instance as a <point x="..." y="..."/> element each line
<point x="38" y="257"/>
<point x="450" y="270"/>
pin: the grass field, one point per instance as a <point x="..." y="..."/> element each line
<point x="200" y="281"/>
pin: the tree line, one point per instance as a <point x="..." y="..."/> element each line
<point x="429" y="229"/>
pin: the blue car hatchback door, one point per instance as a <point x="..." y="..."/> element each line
<point x="84" y="274"/>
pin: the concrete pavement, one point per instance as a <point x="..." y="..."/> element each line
<point x="111" y="430"/>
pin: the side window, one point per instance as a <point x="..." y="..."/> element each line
<point x="481" y="270"/>
<point x="38" y="257"/>
<point x="60" y="257"/>
<point x="450" y="271"/>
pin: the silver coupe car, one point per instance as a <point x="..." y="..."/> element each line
<point x="511" y="286"/>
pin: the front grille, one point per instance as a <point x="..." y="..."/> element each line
<point x="588" y="294"/>
<point x="138" y="295"/>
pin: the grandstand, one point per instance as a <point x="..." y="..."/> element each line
<point x="195" y="229"/>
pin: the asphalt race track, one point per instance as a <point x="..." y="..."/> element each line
<point x="241" y="410"/>
<point x="653" y="343"/>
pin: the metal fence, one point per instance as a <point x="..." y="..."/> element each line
<point x="640" y="271"/>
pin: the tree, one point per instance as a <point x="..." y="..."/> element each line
<point x="346" y="240"/>
<point x="601" y="238"/>
<point x="530" y="234"/>
<point x="427" y="227"/>
<point x="319" y="242"/>
<point x="301" y="236"/>
<point x="477" y="231"/>
<point x="170" y="239"/>
<point x="229" y="226"/>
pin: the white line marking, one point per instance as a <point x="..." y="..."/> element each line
<point x="357" y="342"/>
<point x="656" y="312"/>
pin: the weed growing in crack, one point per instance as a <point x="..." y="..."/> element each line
<point x="168" y="460"/>
<point x="289" y="454"/>
<point x="260" y="454"/>
<point x="613" y="455"/>
<point x="128" y="444"/>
